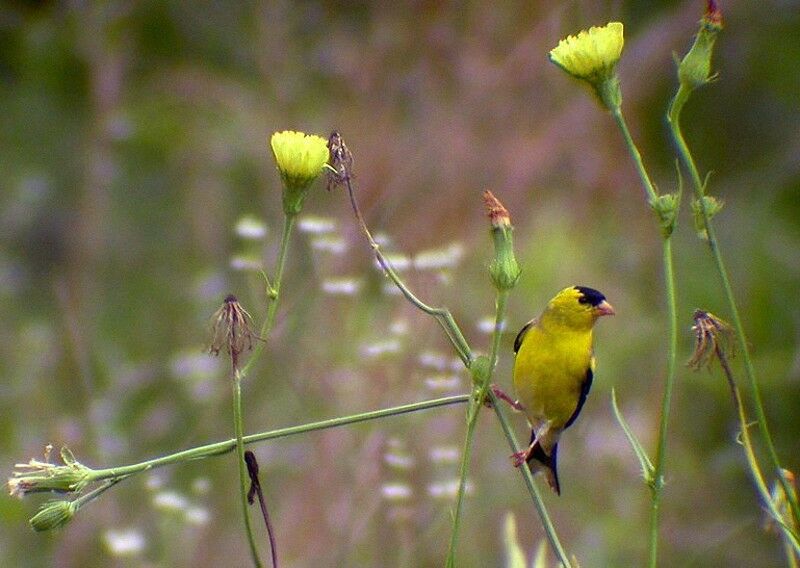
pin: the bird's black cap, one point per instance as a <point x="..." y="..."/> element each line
<point x="589" y="296"/>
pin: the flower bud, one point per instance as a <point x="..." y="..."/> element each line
<point x="592" y="56"/>
<point x="300" y="158"/>
<point x="480" y="369"/>
<point x="666" y="209"/>
<point x="52" y="515"/>
<point x="504" y="269"/>
<point x="712" y="206"/>
<point x="695" y="68"/>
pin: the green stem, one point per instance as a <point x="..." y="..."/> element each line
<point x="657" y="483"/>
<point x="634" y="152"/>
<point x="673" y="118"/>
<point x="666" y="403"/>
<point x="790" y="540"/>
<point x="220" y="448"/>
<point x="464" y="351"/>
<point x="239" y="429"/>
<point x="238" y="375"/>
<point x="441" y="315"/>
<point x="527" y="476"/>
<point x="269" y="321"/>
<point x="474" y="408"/>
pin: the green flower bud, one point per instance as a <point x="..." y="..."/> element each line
<point x="300" y="158"/>
<point x="504" y="269"/>
<point x="712" y="206"/>
<point x="695" y="69"/>
<point x="52" y="515"/>
<point x="666" y="209"/>
<point x="592" y="56"/>
<point x="480" y="369"/>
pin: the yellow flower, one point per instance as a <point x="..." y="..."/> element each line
<point x="300" y="158"/>
<point x="592" y="54"/>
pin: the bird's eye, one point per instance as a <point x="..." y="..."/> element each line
<point x="583" y="300"/>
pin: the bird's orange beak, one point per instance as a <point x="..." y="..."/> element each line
<point x="604" y="309"/>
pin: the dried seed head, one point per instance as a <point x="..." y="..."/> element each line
<point x="231" y="328"/>
<point x="340" y="170"/>
<point x="713" y="339"/>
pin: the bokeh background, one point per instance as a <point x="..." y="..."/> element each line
<point x="137" y="190"/>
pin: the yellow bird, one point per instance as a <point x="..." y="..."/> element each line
<point x="553" y="372"/>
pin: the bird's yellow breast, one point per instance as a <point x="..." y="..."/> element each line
<point x="549" y="371"/>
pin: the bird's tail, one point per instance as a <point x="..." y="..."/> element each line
<point x="540" y="461"/>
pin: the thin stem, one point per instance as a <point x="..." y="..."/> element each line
<point x="269" y="321"/>
<point x="657" y="483"/>
<point x="658" y="469"/>
<point x="634" y="152"/>
<point x="238" y="375"/>
<point x="442" y="315"/>
<point x="220" y="448"/>
<point x="789" y="538"/>
<point x="527" y="476"/>
<point x="239" y="429"/>
<point x="95" y="493"/>
<point x="475" y="406"/>
<point x="673" y="118"/>
<point x="464" y="351"/>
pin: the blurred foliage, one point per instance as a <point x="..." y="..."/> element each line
<point x="132" y="139"/>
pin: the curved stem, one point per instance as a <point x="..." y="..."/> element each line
<point x="474" y="408"/>
<point x="657" y="482"/>
<point x="442" y="315"/>
<point x="673" y="118"/>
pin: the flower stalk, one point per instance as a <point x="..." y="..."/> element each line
<point x="340" y="174"/>
<point x="23" y="478"/>
<point x="699" y="58"/>
<point x="713" y="341"/>
<point x="591" y="56"/>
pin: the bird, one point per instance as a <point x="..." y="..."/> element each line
<point x="553" y="370"/>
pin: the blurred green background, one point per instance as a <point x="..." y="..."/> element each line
<point x="133" y="142"/>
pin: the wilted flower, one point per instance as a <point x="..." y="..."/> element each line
<point x="341" y="161"/>
<point x="300" y="158"/>
<point x="591" y="56"/>
<point x="231" y="328"/>
<point x="37" y="476"/>
<point x="52" y="515"/>
<point x="712" y="339"/>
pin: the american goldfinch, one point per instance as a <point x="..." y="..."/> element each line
<point x="553" y="372"/>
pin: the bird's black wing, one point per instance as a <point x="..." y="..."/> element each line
<point x="521" y="334"/>
<point x="586" y="386"/>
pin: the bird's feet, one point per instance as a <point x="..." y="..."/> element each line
<point x="501" y="395"/>
<point x="519" y="458"/>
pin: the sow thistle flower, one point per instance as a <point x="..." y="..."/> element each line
<point x="592" y="56"/>
<point x="300" y="158"/>
<point x="41" y="476"/>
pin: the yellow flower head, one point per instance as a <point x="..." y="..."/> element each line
<point x="300" y="158"/>
<point x="592" y="54"/>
